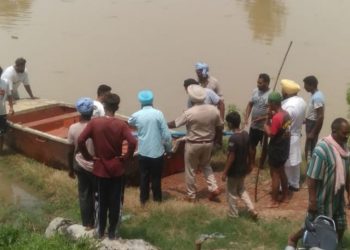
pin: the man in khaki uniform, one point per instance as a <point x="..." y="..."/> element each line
<point x="203" y="123"/>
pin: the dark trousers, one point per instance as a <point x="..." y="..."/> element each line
<point x="151" y="173"/>
<point x="310" y="144"/>
<point x="86" y="190"/>
<point x="109" y="194"/>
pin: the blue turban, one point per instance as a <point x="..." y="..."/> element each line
<point x="85" y="105"/>
<point x="145" y="97"/>
<point x="203" y="67"/>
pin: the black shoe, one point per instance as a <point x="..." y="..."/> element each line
<point x="293" y="189"/>
<point x="111" y="236"/>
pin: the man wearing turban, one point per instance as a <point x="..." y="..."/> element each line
<point x="207" y="81"/>
<point x="296" y="107"/>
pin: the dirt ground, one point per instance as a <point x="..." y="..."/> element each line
<point x="294" y="209"/>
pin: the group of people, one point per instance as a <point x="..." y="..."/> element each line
<point x="276" y="123"/>
<point x="328" y="162"/>
<point x="280" y="117"/>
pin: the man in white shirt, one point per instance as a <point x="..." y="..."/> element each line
<point x="102" y="90"/>
<point x="15" y="75"/>
<point x="5" y="93"/>
<point x="296" y="107"/>
<point x="314" y="115"/>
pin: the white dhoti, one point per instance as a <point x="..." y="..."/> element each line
<point x="292" y="165"/>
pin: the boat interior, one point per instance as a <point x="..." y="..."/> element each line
<point x="53" y="120"/>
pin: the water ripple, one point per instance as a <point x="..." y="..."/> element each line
<point x="14" y="13"/>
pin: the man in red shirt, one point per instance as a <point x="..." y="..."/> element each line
<point x="277" y="128"/>
<point x="107" y="134"/>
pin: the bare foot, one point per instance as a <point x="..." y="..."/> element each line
<point x="273" y="204"/>
<point x="283" y="199"/>
<point x="254" y="215"/>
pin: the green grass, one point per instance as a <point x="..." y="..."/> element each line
<point x="170" y="225"/>
<point x="12" y="238"/>
<point x="180" y="228"/>
<point x="22" y="228"/>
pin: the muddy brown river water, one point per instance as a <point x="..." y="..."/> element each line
<point x="74" y="45"/>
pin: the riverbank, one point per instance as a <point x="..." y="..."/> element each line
<point x="174" y="224"/>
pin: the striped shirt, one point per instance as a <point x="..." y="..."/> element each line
<point x="322" y="168"/>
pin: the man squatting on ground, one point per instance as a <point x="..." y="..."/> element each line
<point x="203" y="125"/>
<point x="154" y="139"/>
<point x="107" y="134"/>
<point x="211" y="98"/>
<point x="257" y="106"/>
<point x="5" y="94"/>
<point x="295" y="106"/>
<point x="15" y="75"/>
<point x="328" y="177"/>
<point x="237" y="166"/>
<point x="277" y="127"/>
<point x="79" y="166"/>
<point x="314" y="114"/>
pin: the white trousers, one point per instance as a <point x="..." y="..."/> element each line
<point x="293" y="175"/>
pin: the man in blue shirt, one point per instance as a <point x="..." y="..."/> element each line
<point x="211" y="98"/>
<point x="314" y="114"/>
<point x="154" y="139"/>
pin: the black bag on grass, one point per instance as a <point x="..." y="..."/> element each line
<point x="320" y="233"/>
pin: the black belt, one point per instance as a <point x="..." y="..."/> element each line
<point x="199" y="142"/>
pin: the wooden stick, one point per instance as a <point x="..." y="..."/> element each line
<point x="256" y="185"/>
<point x="265" y="144"/>
<point x="261" y="164"/>
<point x="284" y="59"/>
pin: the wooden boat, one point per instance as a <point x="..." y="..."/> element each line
<point x="39" y="130"/>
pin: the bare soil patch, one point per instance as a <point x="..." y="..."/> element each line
<point x="294" y="209"/>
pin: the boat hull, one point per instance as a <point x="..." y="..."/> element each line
<point x="41" y="133"/>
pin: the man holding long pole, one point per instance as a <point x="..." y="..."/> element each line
<point x="257" y="106"/>
<point x="264" y="148"/>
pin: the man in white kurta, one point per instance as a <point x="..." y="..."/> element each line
<point x="296" y="107"/>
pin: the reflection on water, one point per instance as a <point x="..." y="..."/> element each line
<point x="13" y="11"/>
<point x="266" y="18"/>
<point x="77" y="44"/>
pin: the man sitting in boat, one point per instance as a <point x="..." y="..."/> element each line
<point x="5" y="93"/>
<point x="102" y="91"/>
<point x="15" y="75"/>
